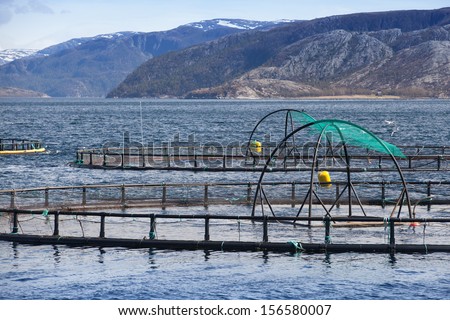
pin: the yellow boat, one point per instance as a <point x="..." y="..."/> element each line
<point x="20" y="146"/>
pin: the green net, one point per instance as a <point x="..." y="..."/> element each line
<point x="347" y="133"/>
<point x="302" y="118"/>
<point x="351" y="134"/>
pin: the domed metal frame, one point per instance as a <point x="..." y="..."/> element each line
<point x="336" y="126"/>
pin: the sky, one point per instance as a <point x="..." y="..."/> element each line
<point x="36" y="24"/>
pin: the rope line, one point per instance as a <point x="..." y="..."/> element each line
<point x="297" y="245"/>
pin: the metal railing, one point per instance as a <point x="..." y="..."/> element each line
<point x="325" y="225"/>
<point x="205" y="194"/>
<point x="234" y="158"/>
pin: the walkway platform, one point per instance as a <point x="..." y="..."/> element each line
<point x="163" y="232"/>
<point x="232" y="159"/>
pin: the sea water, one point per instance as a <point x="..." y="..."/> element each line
<point x="61" y="272"/>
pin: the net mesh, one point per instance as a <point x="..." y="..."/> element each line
<point x="347" y="133"/>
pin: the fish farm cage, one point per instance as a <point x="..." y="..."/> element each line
<point x="20" y="146"/>
<point x="348" y="190"/>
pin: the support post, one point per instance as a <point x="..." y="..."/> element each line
<point x="165" y="153"/>
<point x="152" y="233"/>
<point x="90" y="158"/>
<point x="249" y="192"/>
<point x="327" y="230"/>
<point x="205" y="197"/>
<point x="191" y="146"/>
<point x="392" y="236"/>
<point x="265" y="229"/>
<point x="338" y="192"/>
<point x="12" y="204"/>
<point x="46" y="198"/>
<point x="122" y="195"/>
<point x="383" y="194"/>
<point x="207" y="236"/>
<point x="164" y="196"/>
<point x="83" y="201"/>
<point x="293" y="195"/>
<point x="56" y="224"/>
<point x="429" y="194"/>
<point x="102" y="226"/>
<point x="15" y="222"/>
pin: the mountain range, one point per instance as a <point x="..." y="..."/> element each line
<point x="93" y="66"/>
<point x="405" y="53"/>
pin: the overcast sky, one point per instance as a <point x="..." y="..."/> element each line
<point x="36" y="24"/>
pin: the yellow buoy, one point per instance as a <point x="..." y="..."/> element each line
<point x="324" y="179"/>
<point x="256" y="146"/>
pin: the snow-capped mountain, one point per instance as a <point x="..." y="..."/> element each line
<point x="72" y="43"/>
<point x="402" y="53"/>
<point x="93" y="66"/>
<point x="9" y="55"/>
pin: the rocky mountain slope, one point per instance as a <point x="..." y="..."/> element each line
<point x="91" y="67"/>
<point x="15" y="92"/>
<point x="399" y="52"/>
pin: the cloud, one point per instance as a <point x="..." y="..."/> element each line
<point x="5" y="16"/>
<point x="32" y="6"/>
<point x="5" y="11"/>
<point x="8" y="8"/>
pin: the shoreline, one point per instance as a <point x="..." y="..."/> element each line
<point x="340" y="97"/>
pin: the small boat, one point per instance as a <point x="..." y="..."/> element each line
<point x="20" y="146"/>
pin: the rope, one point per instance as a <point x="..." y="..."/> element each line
<point x="297" y="245"/>
<point x="235" y="199"/>
<point x="81" y="225"/>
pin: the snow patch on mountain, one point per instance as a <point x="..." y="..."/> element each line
<point x="242" y="24"/>
<point x="72" y="43"/>
<point x="230" y="24"/>
<point x="9" y="55"/>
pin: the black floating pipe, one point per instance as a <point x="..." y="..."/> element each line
<point x="221" y="245"/>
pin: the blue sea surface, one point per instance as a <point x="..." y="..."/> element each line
<point x="61" y="272"/>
